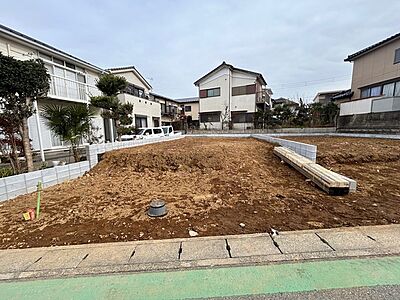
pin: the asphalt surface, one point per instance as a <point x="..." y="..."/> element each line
<point x="391" y="292"/>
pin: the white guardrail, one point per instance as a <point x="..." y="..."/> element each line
<point x="13" y="186"/>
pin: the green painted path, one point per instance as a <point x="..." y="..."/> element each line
<point x="202" y="283"/>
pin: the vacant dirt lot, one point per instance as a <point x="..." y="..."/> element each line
<point x="210" y="186"/>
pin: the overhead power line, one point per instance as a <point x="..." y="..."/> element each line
<point x="309" y="82"/>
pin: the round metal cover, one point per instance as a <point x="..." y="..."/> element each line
<point x="157" y="208"/>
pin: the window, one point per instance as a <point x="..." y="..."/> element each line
<point x="365" y="93"/>
<point x="215" y="92"/>
<point x="140" y="121"/>
<point x="157" y="130"/>
<point x="44" y="56"/>
<point x="244" y="90"/>
<point x="397" y="56"/>
<point x="388" y="90"/>
<point x="376" y="91"/>
<point x="242" y="117"/>
<point x="210" y="117"/>
<point x="188" y="108"/>
<point x="81" y="78"/>
<point x="148" y="132"/>
<point x="58" y="61"/>
<point x="371" y="91"/>
<point x="69" y="65"/>
<point x="397" y="89"/>
<point x="135" y="91"/>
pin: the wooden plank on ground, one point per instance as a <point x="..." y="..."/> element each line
<point x="327" y="180"/>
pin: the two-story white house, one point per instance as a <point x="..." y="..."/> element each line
<point x="72" y="81"/>
<point x="146" y="110"/>
<point x="230" y="96"/>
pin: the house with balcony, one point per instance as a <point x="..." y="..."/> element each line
<point x="190" y="108"/>
<point x="72" y="81"/>
<point x="146" y="110"/>
<point x="229" y="97"/>
<point x="373" y="104"/>
<point x="169" y="108"/>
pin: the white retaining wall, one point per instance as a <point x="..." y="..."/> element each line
<point x="306" y="150"/>
<point x="13" y="186"/>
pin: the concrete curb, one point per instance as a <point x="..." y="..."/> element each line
<point x="293" y="246"/>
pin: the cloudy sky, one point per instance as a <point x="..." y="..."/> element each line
<point x="298" y="46"/>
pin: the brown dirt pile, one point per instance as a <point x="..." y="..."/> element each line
<point x="158" y="159"/>
<point x="210" y="185"/>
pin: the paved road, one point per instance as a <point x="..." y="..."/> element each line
<point x="269" y="279"/>
<point x="391" y="292"/>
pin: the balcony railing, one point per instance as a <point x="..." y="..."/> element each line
<point x="64" y="88"/>
<point x="169" y="110"/>
<point x="263" y="97"/>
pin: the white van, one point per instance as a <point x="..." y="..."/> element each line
<point x="144" y="133"/>
<point x="168" y="130"/>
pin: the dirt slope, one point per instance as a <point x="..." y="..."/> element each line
<point x="210" y="185"/>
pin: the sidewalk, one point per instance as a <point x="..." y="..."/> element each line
<point x="200" y="252"/>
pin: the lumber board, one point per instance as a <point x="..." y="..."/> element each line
<point x="327" y="180"/>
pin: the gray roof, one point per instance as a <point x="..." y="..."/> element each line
<point x="224" y="64"/>
<point x="161" y="97"/>
<point x="343" y="95"/>
<point x="390" y="39"/>
<point x="127" y="68"/>
<point x="187" y="100"/>
<point x="46" y="46"/>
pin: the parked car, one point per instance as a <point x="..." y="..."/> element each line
<point x="144" y="133"/>
<point x="168" y="130"/>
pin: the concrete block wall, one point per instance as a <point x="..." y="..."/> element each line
<point x="266" y="131"/>
<point x="306" y="150"/>
<point x="13" y="186"/>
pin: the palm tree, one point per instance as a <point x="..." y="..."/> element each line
<point x="71" y="123"/>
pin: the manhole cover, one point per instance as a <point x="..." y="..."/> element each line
<point x="157" y="208"/>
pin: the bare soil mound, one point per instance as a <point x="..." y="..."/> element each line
<point x="158" y="159"/>
<point x="210" y="185"/>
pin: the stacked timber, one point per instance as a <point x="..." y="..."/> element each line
<point x="329" y="181"/>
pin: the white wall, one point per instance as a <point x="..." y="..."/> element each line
<point x="240" y="79"/>
<point x="356" y="107"/>
<point x="243" y="103"/>
<point x="131" y="77"/>
<point x="45" y="131"/>
<point x="219" y="79"/>
<point x="194" y="113"/>
<point x="145" y="107"/>
<point x="226" y="80"/>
